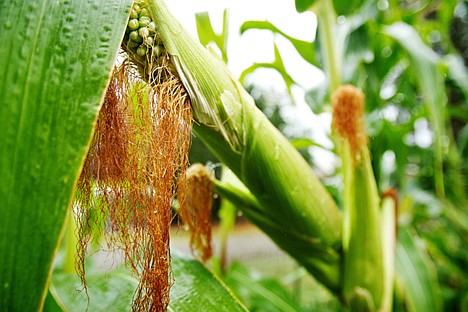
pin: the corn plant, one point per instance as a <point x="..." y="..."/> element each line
<point x="86" y="137"/>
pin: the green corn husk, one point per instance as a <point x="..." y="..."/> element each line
<point x="363" y="263"/>
<point x="367" y="230"/>
<point x="292" y="206"/>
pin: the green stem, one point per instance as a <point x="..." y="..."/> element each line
<point x="227" y="216"/>
<point x="327" y="27"/>
<point x="454" y="172"/>
<point x="388" y="213"/>
<point x="70" y="243"/>
<point x="439" y="167"/>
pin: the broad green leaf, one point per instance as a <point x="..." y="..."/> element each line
<point x="304" y="48"/>
<point x="55" y="62"/>
<point x="197" y="289"/>
<point x="50" y="304"/>
<point x="194" y="289"/>
<point x="109" y="291"/>
<point x="260" y="293"/>
<point x="416" y="275"/>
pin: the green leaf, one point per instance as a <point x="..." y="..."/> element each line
<point x="416" y="275"/>
<point x="341" y="47"/>
<point x="463" y="140"/>
<point x="110" y="291"/>
<point x="55" y="61"/>
<point x="316" y="97"/>
<point x="277" y="65"/>
<point x="302" y="143"/>
<point x="50" y="304"/>
<point x="353" y="43"/>
<point x="357" y="52"/>
<point x="302" y="247"/>
<point x="426" y="66"/>
<point x="206" y="33"/>
<point x="196" y="289"/>
<point x="304" y="5"/>
<point x="304" y="48"/>
<point x="345" y="7"/>
<point x="457" y="72"/>
<point x="260" y="293"/>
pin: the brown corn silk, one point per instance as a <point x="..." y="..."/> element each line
<point x="195" y="202"/>
<point x="348" y="117"/>
<point x="131" y="175"/>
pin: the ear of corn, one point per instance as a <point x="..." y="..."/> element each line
<point x="366" y="272"/>
<point x="142" y="40"/>
<point x="293" y="206"/>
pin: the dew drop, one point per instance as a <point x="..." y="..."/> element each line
<point x="69" y="18"/>
<point x="23" y="52"/>
<point x="277" y="152"/>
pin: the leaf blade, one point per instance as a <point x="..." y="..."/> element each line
<point x="55" y="61"/>
<point x="196" y="289"/>
<point x="305" y="48"/>
<point x="416" y="275"/>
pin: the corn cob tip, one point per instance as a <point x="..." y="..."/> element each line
<point x="348" y="117"/>
<point x="142" y="41"/>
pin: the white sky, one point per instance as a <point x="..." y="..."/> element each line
<point x="257" y="46"/>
